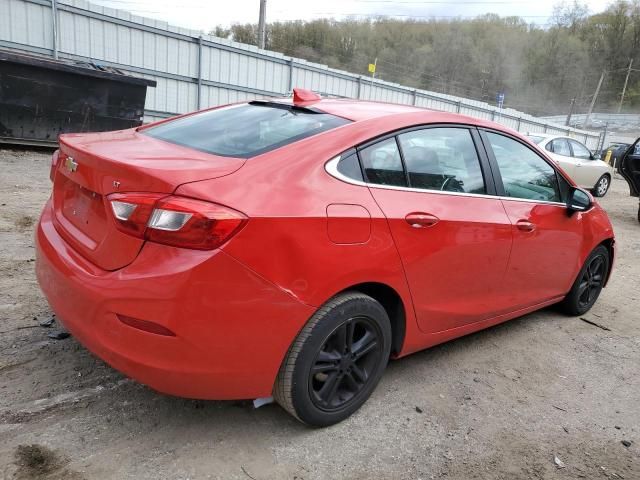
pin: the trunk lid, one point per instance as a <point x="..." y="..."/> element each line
<point x="92" y="166"/>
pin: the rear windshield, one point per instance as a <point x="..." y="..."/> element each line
<point x="245" y="130"/>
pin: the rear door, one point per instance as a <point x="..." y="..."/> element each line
<point x="546" y="239"/>
<point x="453" y="236"/>
<point x="587" y="171"/>
<point x="560" y="152"/>
<point x="630" y="168"/>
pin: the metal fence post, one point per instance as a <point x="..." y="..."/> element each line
<point x="290" y="75"/>
<point x="359" y="86"/>
<point x="458" y="106"/>
<point x="415" y="97"/>
<point x="54" y="27"/>
<point x="199" y="72"/>
<point x="518" y="124"/>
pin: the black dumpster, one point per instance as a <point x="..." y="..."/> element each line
<point x="41" y="98"/>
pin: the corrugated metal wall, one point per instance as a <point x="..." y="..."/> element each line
<point x="196" y="71"/>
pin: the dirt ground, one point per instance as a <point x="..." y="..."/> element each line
<point x="499" y="404"/>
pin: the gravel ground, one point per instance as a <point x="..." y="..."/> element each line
<point x="499" y="404"/>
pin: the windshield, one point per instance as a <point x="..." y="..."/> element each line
<point x="246" y="130"/>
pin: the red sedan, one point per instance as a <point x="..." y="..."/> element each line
<point x="289" y="248"/>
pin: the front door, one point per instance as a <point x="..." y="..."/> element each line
<point x="453" y="238"/>
<point x="546" y="239"/>
<point x="585" y="174"/>
<point x="630" y="168"/>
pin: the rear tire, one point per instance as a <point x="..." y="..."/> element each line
<point x="588" y="284"/>
<point x="336" y="361"/>
<point x="602" y="186"/>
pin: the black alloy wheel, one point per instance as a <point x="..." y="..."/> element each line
<point x="589" y="282"/>
<point x="336" y="361"/>
<point x="344" y="363"/>
<point x="592" y="281"/>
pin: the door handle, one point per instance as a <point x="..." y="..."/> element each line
<point x="525" y="226"/>
<point x="421" y="220"/>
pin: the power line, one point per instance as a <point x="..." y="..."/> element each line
<point x="408" y="15"/>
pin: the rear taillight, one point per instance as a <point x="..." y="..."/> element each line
<point x="172" y="220"/>
<point x="133" y="210"/>
<point x="55" y="158"/>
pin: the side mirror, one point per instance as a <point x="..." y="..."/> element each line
<point x="596" y="156"/>
<point x="579" y="200"/>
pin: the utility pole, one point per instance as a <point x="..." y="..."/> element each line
<point x="568" y="121"/>
<point x="372" y="68"/>
<point x="624" y="89"/>
<point x="593" y="100"/>
<point x="54" y="27"/>
<point x="262" y="24"/>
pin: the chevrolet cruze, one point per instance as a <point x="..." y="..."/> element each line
<point x="291" y="247"/>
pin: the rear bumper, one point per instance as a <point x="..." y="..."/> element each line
<point x="232" y="328"/>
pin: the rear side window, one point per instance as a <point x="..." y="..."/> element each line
<point x="245" y="131"/>
<point x="442" y="159"/>
<point x="382" y="164"/>
<point x="349" y="166"/>
<point x="559" y="146"/>
<point x="524" y="174"/>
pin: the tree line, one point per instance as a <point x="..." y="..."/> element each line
<point x="541" y="69"/>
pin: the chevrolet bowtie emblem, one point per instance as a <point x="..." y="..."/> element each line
<point x="71" y="164"/>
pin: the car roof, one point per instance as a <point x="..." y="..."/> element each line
<point x="550" y="136"/>
<point x="358" y="110"/>
<point x="541" y="135"/>
<point x="363" y="110"/>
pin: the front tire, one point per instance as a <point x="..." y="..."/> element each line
<point x="588" y="284"/>
<point x="602" y="186"/>
<point x="336" y="361"/>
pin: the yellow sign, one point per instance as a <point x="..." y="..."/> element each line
<point x="607" y="158"/>
<point x="372" y="68"/>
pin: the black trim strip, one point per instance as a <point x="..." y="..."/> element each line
<point x="407" y="178"/>
<point x="485" y="165"/>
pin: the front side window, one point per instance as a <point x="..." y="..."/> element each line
<point x="246" y="130"/>
<point x="559" y="146"/>
<point x="524" y="173"/>
<point x="580" y="151"/>
<point x="382" y="164"/>
<point x="442" y="159"/>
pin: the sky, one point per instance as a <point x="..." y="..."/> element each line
<point x="207" y="14"/>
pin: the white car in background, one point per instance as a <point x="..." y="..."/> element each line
<point x="577" y="160"/>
